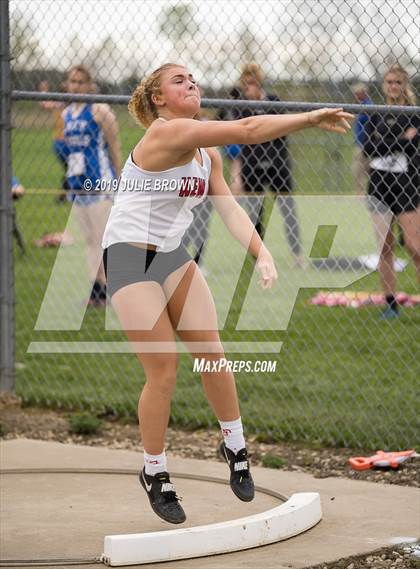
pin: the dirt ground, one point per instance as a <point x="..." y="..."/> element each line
<point x="34" y="423"/>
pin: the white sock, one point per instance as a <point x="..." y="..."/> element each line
<point x="233" y="434"/>
<point x="154" y="463"/>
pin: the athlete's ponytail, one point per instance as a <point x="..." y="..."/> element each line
<point x="141" y="106"/>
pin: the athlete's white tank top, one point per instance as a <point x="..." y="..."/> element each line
<point x="155" y="207"/>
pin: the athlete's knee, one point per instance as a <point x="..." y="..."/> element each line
<point x="214" y="351"/>
<point x="161" y="375"/>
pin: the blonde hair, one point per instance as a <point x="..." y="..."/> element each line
<point x="359" y="88"/>
<point x="141" y="107"/>
<point x="253" y="70"/>
<point x="408" y="93"/>
<point x="80" y="69"/>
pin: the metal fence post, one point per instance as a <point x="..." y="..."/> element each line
<point x="7" y="332"/>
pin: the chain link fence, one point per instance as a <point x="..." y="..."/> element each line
<point x="346" y="367"/>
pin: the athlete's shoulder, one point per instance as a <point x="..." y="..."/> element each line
<point x="161" y="128"/>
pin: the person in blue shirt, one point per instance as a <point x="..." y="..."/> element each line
<point x="17" y="189"/>
<point x="360" y="164"/>
<point x="91" y="138"/>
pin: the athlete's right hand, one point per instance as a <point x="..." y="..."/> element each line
<point x="267" y="269"/>
<point x="333" y="120"/>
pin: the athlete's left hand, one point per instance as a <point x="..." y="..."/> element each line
<point x="267" y="269"/>
<point x="333" y="120"/>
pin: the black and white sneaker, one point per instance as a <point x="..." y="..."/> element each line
<point x="162" y="497"/>
<point x="240" y="477"/>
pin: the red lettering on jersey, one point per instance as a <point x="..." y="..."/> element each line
<point x="185" y="187"/>
<point x="201" y="187"/>
<point x="192" y="187"/>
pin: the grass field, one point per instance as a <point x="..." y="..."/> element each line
<point x="343" y="376"/>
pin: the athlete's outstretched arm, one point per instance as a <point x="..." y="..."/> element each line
<point x="238" y="222"/>
<point x="182" y="135"/>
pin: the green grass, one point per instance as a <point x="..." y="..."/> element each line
<point x="271" y="460"/>
<point x="84" y="424"/>
<point x="343" y="377"/>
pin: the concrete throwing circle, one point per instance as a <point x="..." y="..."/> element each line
<point x="66" y="513"/>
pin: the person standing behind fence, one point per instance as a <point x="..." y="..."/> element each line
<point x="267" y="165"/>
<point x="360" y="164"/>
<point x="91" y="136"/>
<point x="232" y="151"/>
<point x="392" y="145"/>
<point x="17" y="189"/>
<point x="59" y="145"/>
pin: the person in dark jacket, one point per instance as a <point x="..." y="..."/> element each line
<point x="267" y="166"/>
<point x="392" y="145"/>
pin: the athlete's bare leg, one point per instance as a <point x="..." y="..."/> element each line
<point x="193" y="314"/>
<point x="140" y="306"/>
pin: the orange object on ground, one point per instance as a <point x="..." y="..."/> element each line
<point x="381" y="459"/>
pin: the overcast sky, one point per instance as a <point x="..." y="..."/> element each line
<point x="293" y="38"/>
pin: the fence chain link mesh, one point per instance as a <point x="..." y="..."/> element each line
<point x="344" y="374"/>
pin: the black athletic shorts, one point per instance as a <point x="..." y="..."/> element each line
<point x="126" y="264"/>
<point x="277" y="177"/>
<point x="395" y="192"/>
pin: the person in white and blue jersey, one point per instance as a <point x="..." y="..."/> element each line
<point x="94" y="156"/>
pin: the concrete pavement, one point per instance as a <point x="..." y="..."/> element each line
<point x="67" y="515"/>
